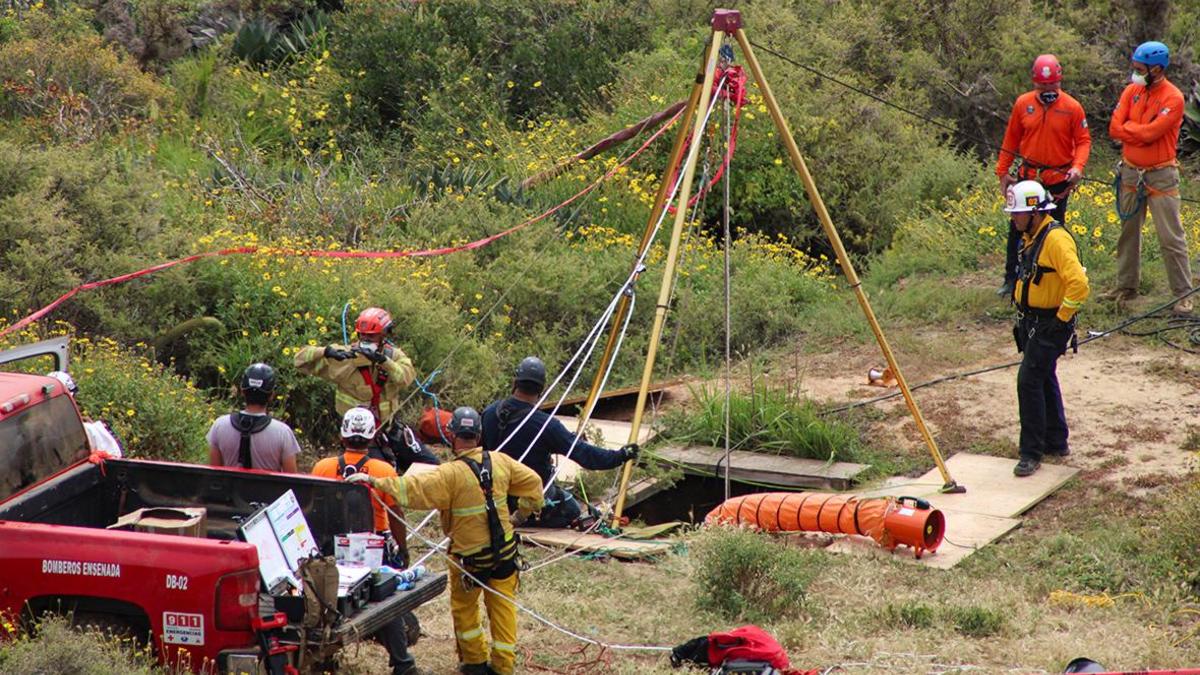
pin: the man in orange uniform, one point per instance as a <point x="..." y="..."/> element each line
<point x="1049" y="130"/>
<point x="1147" y="122"/>
<point x="358" y="428"/>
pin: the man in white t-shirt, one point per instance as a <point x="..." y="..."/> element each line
<point x="250" y="439"/>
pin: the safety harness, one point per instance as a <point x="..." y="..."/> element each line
<point x="1029" y="270"/>
<point x="499" y="559"/>
<point x="375" y="384"/>
<point x="248" y="425"/>
<point x="357" y="467"/>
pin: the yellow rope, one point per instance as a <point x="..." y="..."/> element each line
<point x="1069" y="599"/>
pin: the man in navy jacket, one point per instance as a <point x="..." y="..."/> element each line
<point x="504" y="423"/>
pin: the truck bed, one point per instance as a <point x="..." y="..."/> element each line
<point x="90" y="495"/>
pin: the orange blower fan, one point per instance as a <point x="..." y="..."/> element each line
<point x="890" y="521"/>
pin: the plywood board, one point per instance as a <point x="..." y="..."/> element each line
<point x="572" y="540"/>
<point x="965" y="532"/>
<point x="613" y="434"/>
<point x="762" y="468"/>
<point x="655" y="388"/>
<point x="992" y="489"/>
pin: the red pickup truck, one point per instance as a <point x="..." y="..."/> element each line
<point x="196" y="600"/>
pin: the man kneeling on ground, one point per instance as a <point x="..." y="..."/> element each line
<point x="515" y="425"/>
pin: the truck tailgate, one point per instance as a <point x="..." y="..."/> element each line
<point x="378" y="614"/>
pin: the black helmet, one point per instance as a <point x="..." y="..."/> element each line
<point x="260" y="378"/>
<point x="531" y="370"/>
<point x="466" y="421"/>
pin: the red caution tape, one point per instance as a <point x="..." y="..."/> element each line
<point x="420" y="253"/>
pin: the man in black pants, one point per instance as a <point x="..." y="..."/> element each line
<point x="1051" y="286"/>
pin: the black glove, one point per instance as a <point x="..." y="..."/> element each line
<point x="398" y="556"/>
<point x="377" y="357"/>
<point x="332" y="352"/>
<point x="630" y="451"/>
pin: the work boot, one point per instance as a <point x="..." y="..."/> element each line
<point x="1058" y="452"/>
<point x="1119" y="295"/>
<point x="1183" y="307"/>
<point x="1006" y="289"/>
<point x="476" y="669"/>
<point x="1026" y="467"/>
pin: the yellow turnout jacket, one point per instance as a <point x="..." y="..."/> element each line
<point x="347" y="376"/>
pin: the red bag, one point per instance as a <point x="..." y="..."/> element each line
<point x="431" y="420"/>
<point x="748" y="643"/>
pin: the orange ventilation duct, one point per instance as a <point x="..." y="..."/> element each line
<point x="890" y="521"/>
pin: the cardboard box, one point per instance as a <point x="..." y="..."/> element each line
<point x="186" y="521"/>
<point x="363" y="549"/>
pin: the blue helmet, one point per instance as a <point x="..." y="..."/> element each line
<point x="1152" y="54"/>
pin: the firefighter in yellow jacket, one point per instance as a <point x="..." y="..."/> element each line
<point x="1051" y="286"/>
<point x="472" y="495"/>
<point x="372" y="373"/>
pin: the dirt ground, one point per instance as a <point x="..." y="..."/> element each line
<point x="1130" y="405"/>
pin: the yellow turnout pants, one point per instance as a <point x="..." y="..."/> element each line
<point x="502" y="617"/>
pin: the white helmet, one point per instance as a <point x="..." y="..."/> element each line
<point x="67" y="381"/>
<point x="358" y="422"/>
<point x="1026" y="196"/>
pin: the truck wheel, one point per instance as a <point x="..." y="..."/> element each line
<point x="111" y="625"/>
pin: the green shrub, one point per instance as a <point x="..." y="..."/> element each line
<point x="909" y="615"/>
<point x="746" y="576"/>
<point x="56" y="648"/>
<point x="155" y="413"/>
<point x="766" y="419"/>
<point x="76" y="89"/>
<point x="67" y="216"/>
<point x="978" y="622"/>
<point x="550" y="58"/>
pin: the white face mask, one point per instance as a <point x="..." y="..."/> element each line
<point x="1139" y="78"/>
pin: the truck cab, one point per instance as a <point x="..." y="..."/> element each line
<point x="198" y="601"/>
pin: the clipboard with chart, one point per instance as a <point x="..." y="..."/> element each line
<point x="283" y="538"/>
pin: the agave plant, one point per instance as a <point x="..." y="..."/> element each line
<point x="1189" y="135"/>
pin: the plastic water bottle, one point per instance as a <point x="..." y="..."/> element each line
<point x="413" y="574"/>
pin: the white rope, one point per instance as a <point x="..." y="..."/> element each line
<point x="592" y="337"/>
<point x="725" y="219"/>
<point x="633" y="274"/>
<point x="538" y="617"/>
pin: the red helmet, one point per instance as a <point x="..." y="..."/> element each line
<point x="1046" y="69"/>
<point x="373" y="321"/>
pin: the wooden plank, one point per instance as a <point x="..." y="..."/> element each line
<point x="613" y="434"/>
<point x="643" y="489"/>
<point x="757" y="467"/>
<point x="992" y="489"/>
<point x="969" y="532"/>
<point x="655" y="388"/>
<point x="625" y="549"/>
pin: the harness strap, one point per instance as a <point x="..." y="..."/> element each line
<point x="501" y="548"/>
<point x="1029" y="271"/>
<point x="248" y="425"/>
<point x="376" y="386"/>
<point x="358" y="466"/>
